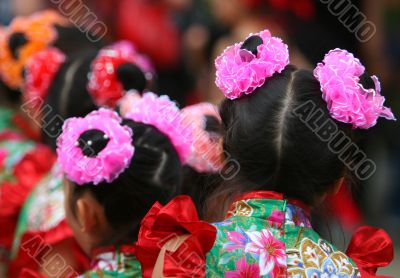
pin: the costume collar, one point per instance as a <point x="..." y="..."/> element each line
<point x="271" y="206"/>
<point x="113" y="258"/>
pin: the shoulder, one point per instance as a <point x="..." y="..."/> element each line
<point x="246" y="246"/>
<point x="312" y="255"/>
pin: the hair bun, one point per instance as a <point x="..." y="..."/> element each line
<point x="116" y="69"/>
<point x="25" y="36"/>
<point x="92" y="142"/>
<point x="15" y="41"/>
<point x="131" y="77"/>
<point x="245" y="66"/>
<point x="348" y="101"/>
<point x="251" y="44"/>
<point x="96" y="148"/>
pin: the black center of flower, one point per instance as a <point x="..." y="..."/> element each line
<point x="92" y="141"/>
<point x="252" y="43"/>
<point x="366" y="81"/>
<point x="15" y="41"/>
<point x="212" y="124"/>
<point x="131" y="77"/>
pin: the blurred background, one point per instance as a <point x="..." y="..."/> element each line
<point x="183" y="37"/>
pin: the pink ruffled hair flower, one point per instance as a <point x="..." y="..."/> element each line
<point x="104" y="84"/>
<point x="245" y="66"/>
<point x="96" y="148"/>
<point x="126" y="103"/>
<point x="164" y="114"/>
<point x="348" y="101"/>
<point x="206" y="151"/>
<point x="40" y="72"/>
<point x="129" y="50"/>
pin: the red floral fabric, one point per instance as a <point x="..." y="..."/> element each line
<point x="13" y="193"/>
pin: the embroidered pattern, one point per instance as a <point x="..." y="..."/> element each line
<point x="273" y="238"/>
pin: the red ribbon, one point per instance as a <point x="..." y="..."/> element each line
<point x="370" y="248"/>
<point x="160" y="225"/>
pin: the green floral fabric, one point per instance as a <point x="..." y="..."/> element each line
<point x="273" y="238"/>
<point x="6" y="116"/>
<point x="114" y="262"/>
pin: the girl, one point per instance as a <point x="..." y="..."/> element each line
<point x="27" y="35"/>
<point x="289" y="129"/>
<point x="48" y="100"/>
<point x="116" y="170"/>
<point x="93" y="79"/>
<point x="23" y="162"/>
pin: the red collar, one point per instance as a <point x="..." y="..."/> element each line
<point x="264" y="194"/>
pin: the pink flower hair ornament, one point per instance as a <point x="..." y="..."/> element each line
<point x="206" y="151"/>
<point x="99" y="157"/>
<point x="40" y="72"/>
<point x="240" y="71"/>
<point x="104" y="86"/>
<point x="164" y="114"/>
<point x="126" y="103"/>
<point x="348" y="101"/>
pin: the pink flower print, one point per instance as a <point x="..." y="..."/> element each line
<point x="244" y="270"/>
<point x="276" y="218"/>
<point x="271" y="251"/>
<point x="237" y="239"/>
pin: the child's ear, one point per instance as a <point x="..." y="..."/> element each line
<point x="88" y="212"/>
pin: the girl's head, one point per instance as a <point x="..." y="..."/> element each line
<point x="78" y="84"/>
<point x="24" y="37"/>
<point x="116" y="170"/>
<point x="278" y="120"/>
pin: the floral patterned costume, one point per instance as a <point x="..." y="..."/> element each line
<point x="43" y="216"/>
<point x="266" y="235"/>
<point x="118" y="261"/>
<point x="22" y="164"/>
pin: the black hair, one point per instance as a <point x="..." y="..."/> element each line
<point x="68" y="95"/>
<point x="275" y="149"/>
<point x="131" y="77"/>
<point x="70" y="40"/>
<point x="15" y="42"/>
<point x="154" y="174"/>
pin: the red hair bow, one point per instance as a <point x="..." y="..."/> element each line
<point x="173" y="241"/>
<point x="370" y="248"/>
